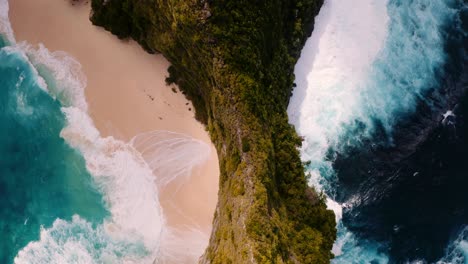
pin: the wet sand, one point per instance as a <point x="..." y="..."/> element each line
<point x="126" y="94"/>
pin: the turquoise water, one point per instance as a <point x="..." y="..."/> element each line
<point x="69" y="195"/>
<point x="42" y="178"/>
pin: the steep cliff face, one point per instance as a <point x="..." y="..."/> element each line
<point x="234" y="59"/>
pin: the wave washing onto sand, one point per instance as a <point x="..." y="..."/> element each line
<point x="181" y="154"/>
<point x="133" y="233"/>
<point x="172" y="157"/>
<point x="137" y="231"/>
<point x="5" y="27"/>
<point x="61" y="74"/>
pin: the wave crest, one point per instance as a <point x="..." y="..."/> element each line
<point x="136" y="231"/>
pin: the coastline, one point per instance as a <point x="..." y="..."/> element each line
<point x="239" y="75"/>
<point x="126" y="94"/>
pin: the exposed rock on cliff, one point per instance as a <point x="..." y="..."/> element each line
<point x="234" y="59"/>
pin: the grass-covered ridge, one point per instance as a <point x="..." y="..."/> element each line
<point x="234" y="59"/>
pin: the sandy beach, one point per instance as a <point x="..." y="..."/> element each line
<point x="126" y="94"/>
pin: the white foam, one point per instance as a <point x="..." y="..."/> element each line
<point x="168" y="156"/>
<point x="335" y="60"/>
<point x="5" y="26"/>
<point x="67" y="79"/>
<point x="366" y="60"/>
<point x="125" y="179"/>
<point x="449" y="118"/>
<point x="79" y="242"/>
<point x="350" y="249"/>
<point x="330" y="73"/>
<point x="171" y="155"/>
<point x="336" y="208"/>
<point x="448" y="113"/>
<point x="123" y="176"/>
<point x="457" y="251"/>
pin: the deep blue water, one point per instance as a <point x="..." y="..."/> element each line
<point x="42" y="178"/>
<point x="399" y="168"/>
<point x="398" y="164"/>
<point x="416" y="202"/>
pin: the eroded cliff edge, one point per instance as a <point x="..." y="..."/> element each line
<point x="234" y="59"/>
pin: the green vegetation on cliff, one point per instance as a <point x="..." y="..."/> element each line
<point x="234" y="59"/>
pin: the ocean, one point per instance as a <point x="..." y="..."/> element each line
<point x="382" y="104"/>
<point x="62" y="199"/>
<point x="55" y="182"/>
<point x="70" y="195"/>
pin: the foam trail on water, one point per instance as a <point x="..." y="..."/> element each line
<point x="334" y="63"/>
<point x="457" y="251"/>
<point x="62" y="72"/>
<point x="333" y="66"/>
<point x="126" y="180"/>
<point x="136" y="231"/>
<point x="123" y="176"/>
<point x="366" y="64"/>
<point x="408" y="65"/>
<point x="78" y="241"/>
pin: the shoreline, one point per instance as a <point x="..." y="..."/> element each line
<point x="127" y="95"/>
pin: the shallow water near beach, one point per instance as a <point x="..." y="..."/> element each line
<point x="69" y="194"/>
<point x="55" y="183"/>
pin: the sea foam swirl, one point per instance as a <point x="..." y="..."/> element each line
<point x="366" y="66"/>
<point x="136" y="231"/>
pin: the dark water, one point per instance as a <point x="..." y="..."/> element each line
<point x="413" y="196"/>
<point x="390" y="145"/>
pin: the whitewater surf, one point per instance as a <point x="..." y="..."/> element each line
<point x="82" y="198"/>
<point x="381" y="105"/>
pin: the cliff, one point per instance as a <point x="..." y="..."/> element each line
<point x="234" y="59"/>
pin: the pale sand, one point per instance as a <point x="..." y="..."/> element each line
<point x="126" y="93"/>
